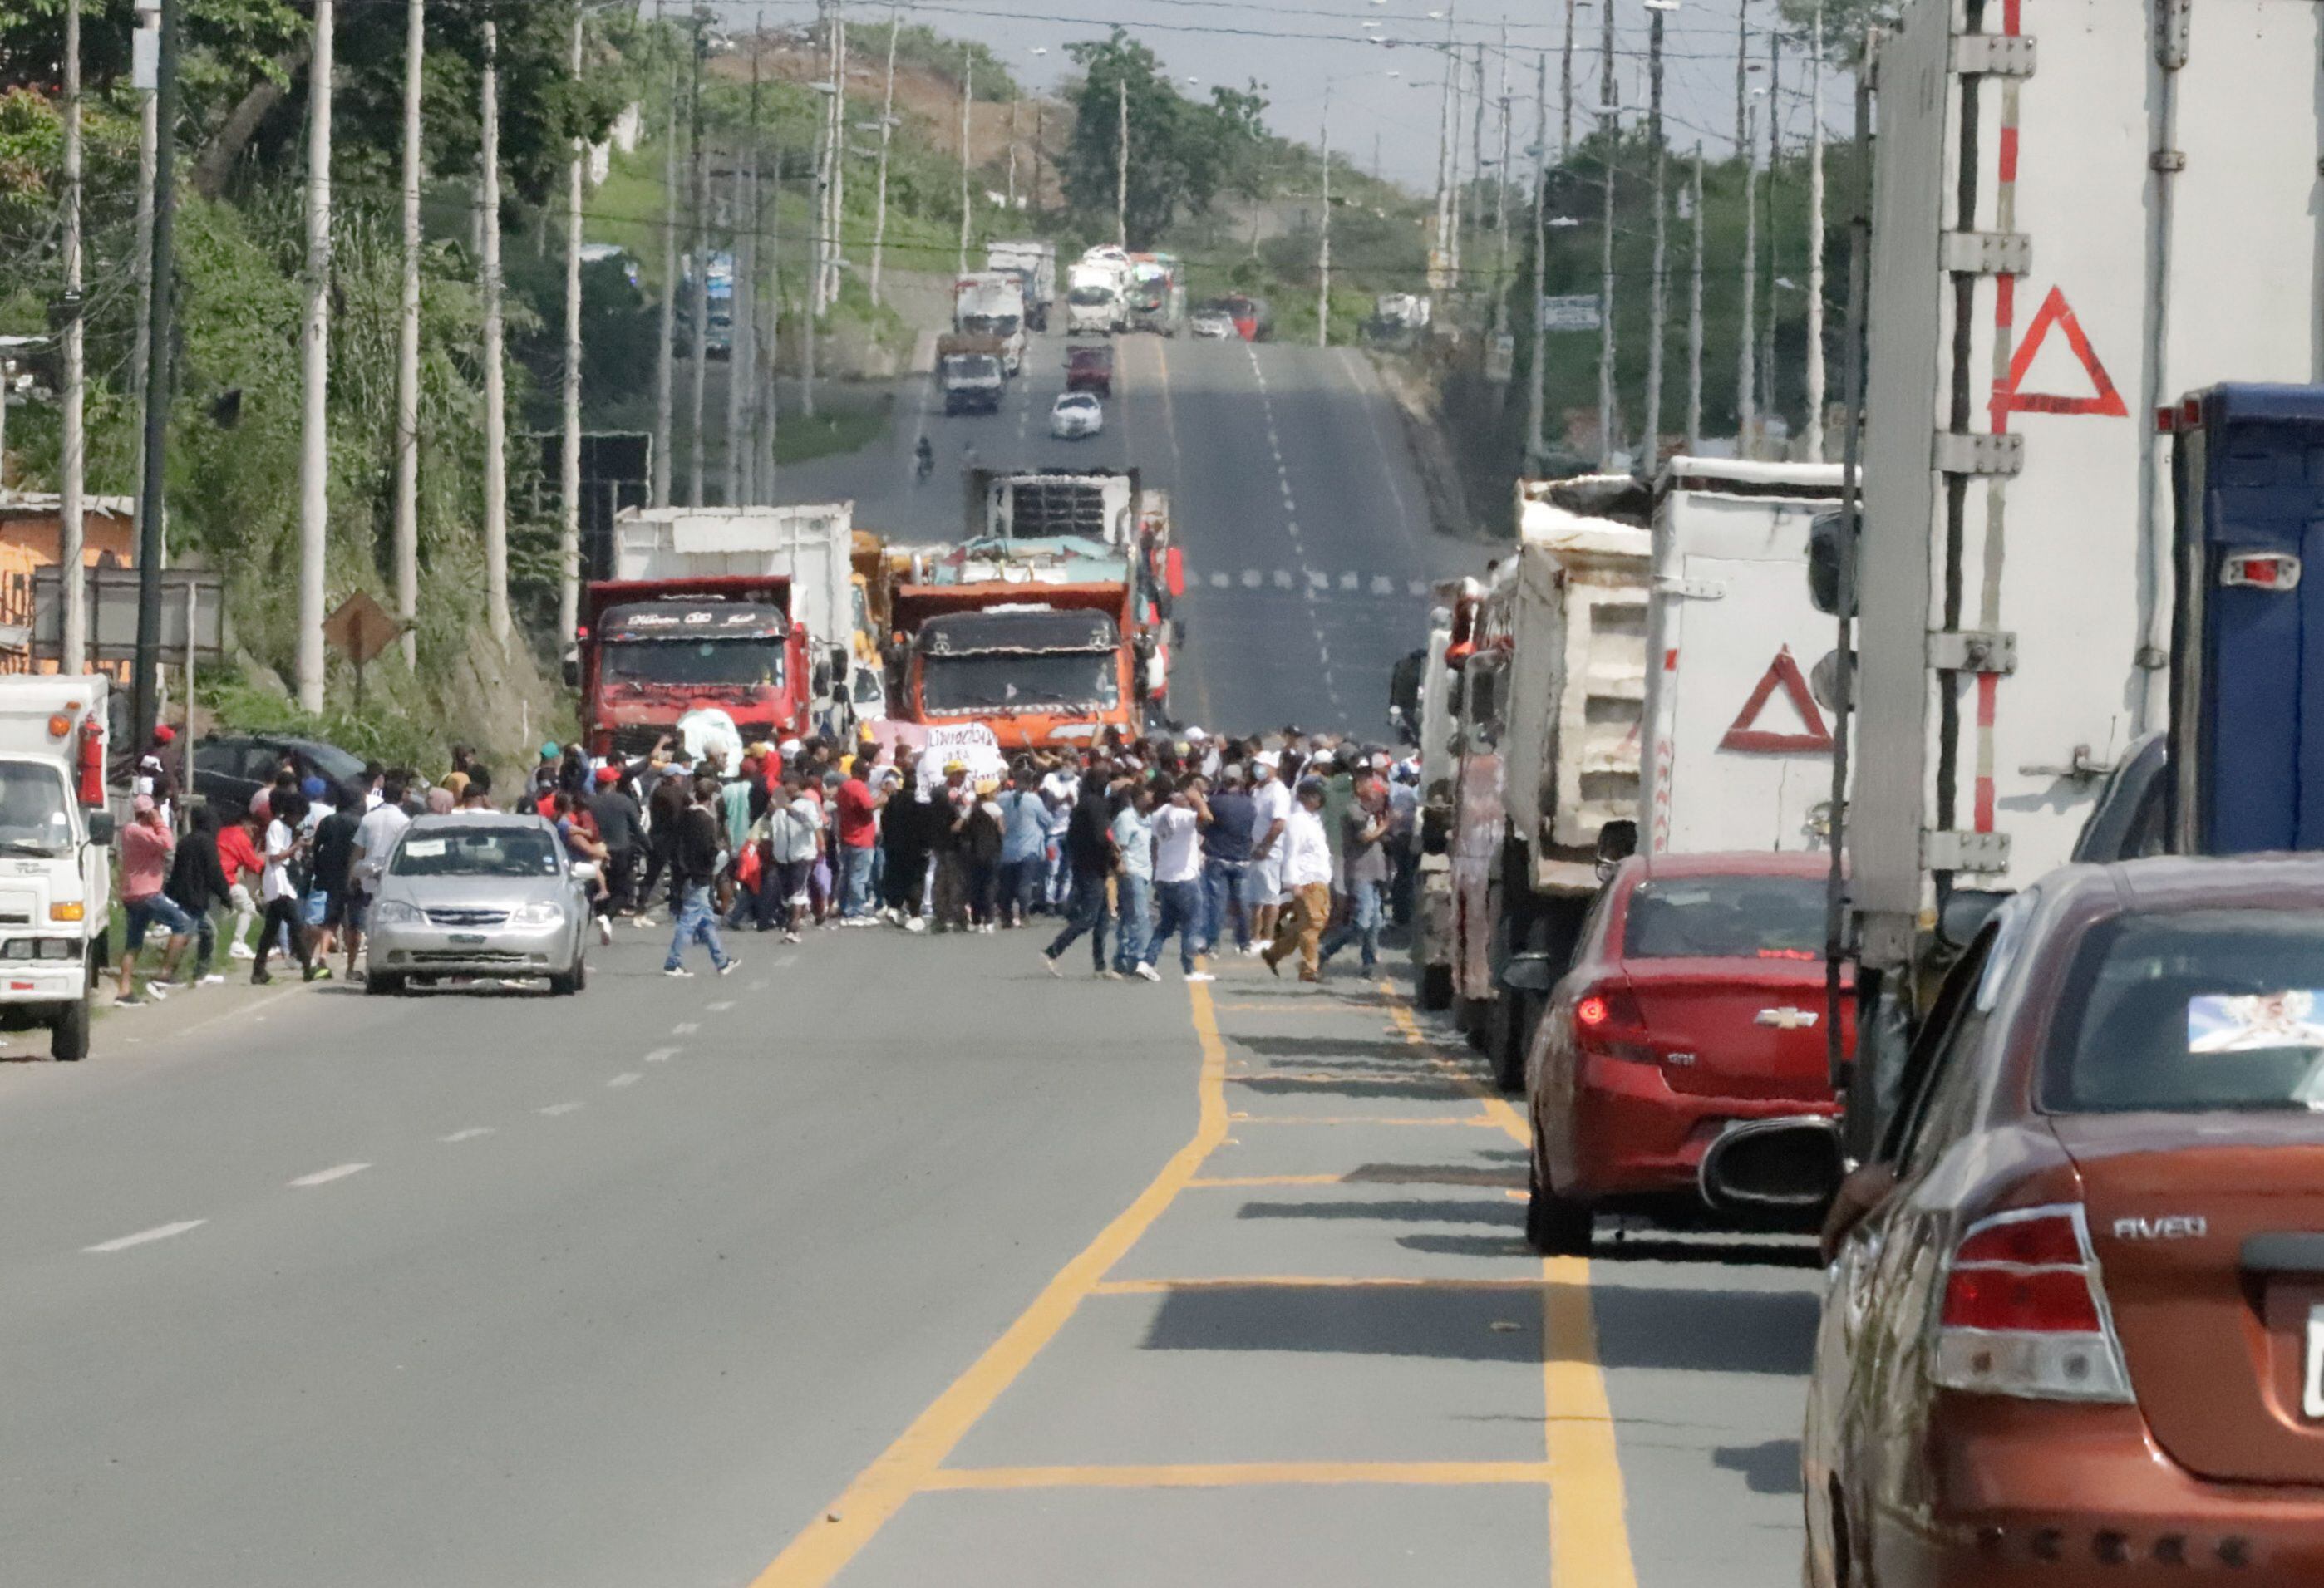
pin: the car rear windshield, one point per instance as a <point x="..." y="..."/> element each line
<point x="2192" y="1011"/>
<point x="477" y="851"/>
<point x="1725" y="918"/>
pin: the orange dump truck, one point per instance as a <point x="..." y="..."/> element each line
<point x="1044" y="666"/>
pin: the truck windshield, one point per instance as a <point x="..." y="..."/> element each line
<point x="1010" y="681"/>
<point x="32" y="810"/>
<point x="1001" y="325"/>
<point x="499" y="850"/>
<point x="2190" y="1012"/>
<point x="1090" y="296"/>
<point x="730" y="662"/>
<point x="1725" y="917"/>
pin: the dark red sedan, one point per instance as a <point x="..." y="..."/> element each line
<point x="2073" y="1330"/>
<point x="1696" y="1002"/>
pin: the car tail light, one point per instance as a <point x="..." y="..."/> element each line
<point x="1606" y="1020"/>
<point x="2024" y="1311"/>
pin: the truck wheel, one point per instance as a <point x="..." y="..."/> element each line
<point x="1504" y="1043"/>
<point x="1555" y="1225"/>
<point x="68" y="1034"/>
<point x="1435" y="988"/>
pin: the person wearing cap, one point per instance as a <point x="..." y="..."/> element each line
<point x="1307" y="879"/>
<point x="1178" y="822"/>
<point x="153" y="775"/>
<point x="1363" y="867"/>
<point x="146" y="846"/>
<point x="620" y="828"/>
<point x="953" y="802"/>
<point x="545" y="772"/>
<point x="1226" y="859"/>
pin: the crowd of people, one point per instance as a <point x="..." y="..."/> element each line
<point x="1290" y="847"/>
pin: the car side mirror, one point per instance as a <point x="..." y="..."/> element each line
<point x="572" y="670"/>
<point x="1529" y="973"/>
<point x="1859" y="1197"/>
<point x="1779" y="1166"/>
<point x="100" y="827"/>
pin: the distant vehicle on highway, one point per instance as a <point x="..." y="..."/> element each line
<point x="230" y="769"/>
<point x="1696" y="1000"/>
<point x="1215" y="324"/>
<point x="480" y="894"/>
<point x="2080" y="1277"/>
<point x="1090" y="368"/>
<point x="1077" y="414"/>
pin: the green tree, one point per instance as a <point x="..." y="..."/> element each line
<point x="1181" y="153"/>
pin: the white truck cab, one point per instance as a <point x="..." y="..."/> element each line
<point x="56" y="872"/>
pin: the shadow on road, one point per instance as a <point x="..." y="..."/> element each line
<point x="1770" y="1468"/>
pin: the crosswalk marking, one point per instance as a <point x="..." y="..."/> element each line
<point x="1383" y="585"/>
<point x="1220" y="579"/>
<point x="1252" y="578"/>
<point x="1283" y="579"/>
<point x="1315" y="579"/>
<point x="1318" y="581"/>
<point x="1350" y="581"/>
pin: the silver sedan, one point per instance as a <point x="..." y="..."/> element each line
<point x="480" y="894"/>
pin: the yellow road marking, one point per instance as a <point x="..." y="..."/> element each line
<point x="1302" y="1282"/>
<point x="1479" y="1120"/>
<point x="817" y="1554"/>
<point x="1243" y="1474"/>
<point x="1589" y="1532"/>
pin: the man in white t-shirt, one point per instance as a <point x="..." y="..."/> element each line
<point x="375" y="840"/>
<point x="1272" y="805"/>
<point x="1178" y="878"/>
<point x="1307" y="878"/>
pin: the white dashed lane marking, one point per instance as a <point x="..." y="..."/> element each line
<point x="720" y="1007"/>
<point x="554" y="1109"/>
<point x="628" y="1078"/>
<point x="661" y="1056"/>
<point x="1283" y="579"/>
<point x="686" y="1028"/>
<point x="324" y="1177"/>
<point x="159" y="1232"/>
<point x="469" y="1135"/>
<point x="1355" y="581"/>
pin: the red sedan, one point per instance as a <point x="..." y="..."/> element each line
<point x="1696" y="1002"/>
<point x="2074" y="1328"/>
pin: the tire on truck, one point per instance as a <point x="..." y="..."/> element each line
<point x="68" y="1032"/>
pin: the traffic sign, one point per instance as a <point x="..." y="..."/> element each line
<point x="1569" y="314"/>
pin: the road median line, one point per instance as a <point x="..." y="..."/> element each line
<point x="1241" y="1475"/>
<point x="906" y="1467"/>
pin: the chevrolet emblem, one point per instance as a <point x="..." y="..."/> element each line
<point x="1785" y="1018"/>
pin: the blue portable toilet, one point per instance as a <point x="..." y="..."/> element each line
<point x="2247" y="470"/>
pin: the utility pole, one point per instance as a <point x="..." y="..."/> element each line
<point x="887" y="134"/>
<point x="1324" y="255"/>
<point x="738" y="342"/>
<point x="1121" y="162"/>
<point x="1443" y="159"/>
<point x="1610" y="110"/>
<point x="1453" y="207"/>
<point x="666" y="350"/>
<point x="1651" y="455"/>
<point x="1742" y="81"/>
<point x="967" y="97"/>
<point x="1012" y="156"/>
<point x="771" y="208"/>
<point x="697" y="259"/>
<point x="496" y="589"/>
<point x="568" y="473"/>
<point x="742" y="369"/>
<point x="1537" y="372"/>
<point x="1747" y="379"/>
<point x="1475" y="208"/>
<point x="1694" y="324"/>
<point x="149" y="118"/>
<point x="836" y="254"/>
<point x="145" y="695"/>
<point x="1814" y="434"/>
<point x="314" y="371"/>
<point x="407" y="344"/>
<point x="813" y="303"/>
<point x="1565" y="84"/>
<point x="74" y="471"/>
<point x="1775" y="161"/>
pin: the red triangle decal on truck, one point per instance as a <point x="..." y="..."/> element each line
<point x="1745" y="735"/>
<point x="2104" y="400"/>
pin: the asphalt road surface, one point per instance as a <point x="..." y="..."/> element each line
<point x="1303" y="526"/>
<point x="784" y="1279"/>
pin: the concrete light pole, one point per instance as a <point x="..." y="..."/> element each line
<point x="314" y="371"/>
<point x="407" y="343"/>
<point x="496" y="591"/>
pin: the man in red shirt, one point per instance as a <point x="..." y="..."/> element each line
<point x="239" y="857"/>
<point x="859" y="840"/>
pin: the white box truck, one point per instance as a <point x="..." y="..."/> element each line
<point x="1737" y="753"/>
<point x="2082" y="209"/>
<point x="1095" y="299"/>
<point x="1552" y="696"/>
<point x="56" y="868"/>
<point x="991" y="303"/>
<point x="1035" y="265"/>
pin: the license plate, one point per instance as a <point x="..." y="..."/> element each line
<point x="2311" y="1394"/>
<point x="467" y="938"/>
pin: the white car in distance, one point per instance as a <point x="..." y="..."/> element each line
<point x="1077" y="414"/>
<point x="1213" y="322"/>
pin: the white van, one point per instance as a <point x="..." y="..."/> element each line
<point x="56" y="869"/>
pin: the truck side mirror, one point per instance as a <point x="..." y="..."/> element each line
<point x="572" y="669"/>
<point x="1828" y="560"/>
<point x="100" y="827"/>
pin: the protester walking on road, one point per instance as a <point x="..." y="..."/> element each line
<point x="1178" y="880"/>
<point x="856" y="832"/>
<point x="794" y="840"/>
<point x="277" y="889"/>
<point x="376" y="836"/>
<point x="1226" y="860"/>
<point x="1363" y="866"/>
<point x="1089" y="856"/>
<point x="620" y="828"/>
<point x="1133" y="843"/>
<point x="330" y="852"/>
<point x="147" y="844"/>
<point x="1307" y="878"/>
<point x="1024" y="846"/>
<point x="694" y="862"/>
<point x="198" y="885"/>
<point x="906" y="828"/>
<point x="239" y="856"/>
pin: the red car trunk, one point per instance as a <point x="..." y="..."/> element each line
<point x="2206" y="1235"/>
<point x="1754" y="1027"/>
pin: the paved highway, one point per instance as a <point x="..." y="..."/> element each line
<point x="1303" y="525"/>
<point x="788" y="1278"/>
